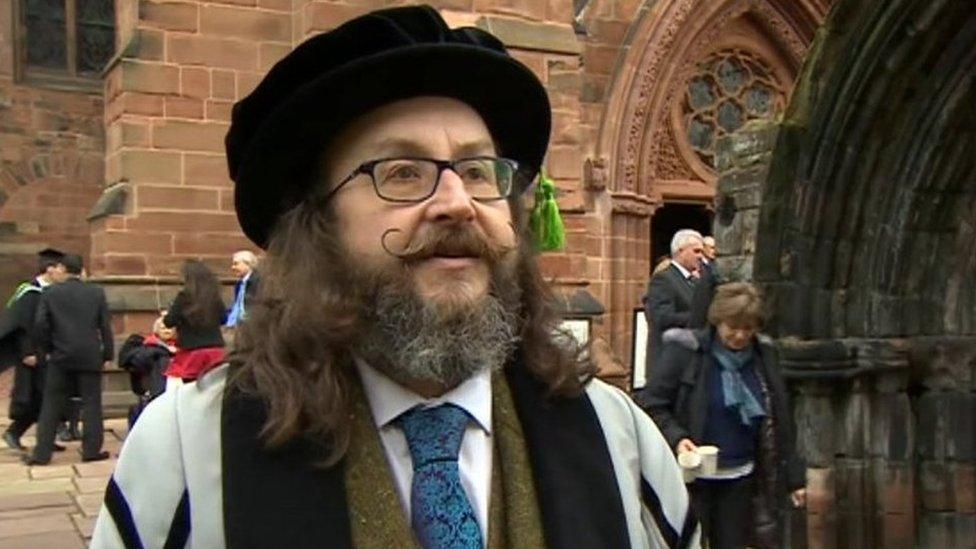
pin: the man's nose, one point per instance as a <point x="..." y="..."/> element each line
<point x="451" y="199"/>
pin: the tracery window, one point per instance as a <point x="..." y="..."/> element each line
<point x="730" y="88"/>
<point x="65" y="41"/>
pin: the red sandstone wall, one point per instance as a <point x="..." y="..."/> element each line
<point x="51" y="165"/>
<point x="168" y="104"/>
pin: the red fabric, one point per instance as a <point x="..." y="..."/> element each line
<point x="153" y="339"/>
<point x="190" y="365"/>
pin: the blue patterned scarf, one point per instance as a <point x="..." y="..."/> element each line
<point x="735" y="392"/>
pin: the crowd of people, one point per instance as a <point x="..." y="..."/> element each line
<point x="55" y="332"/>
<point x="714" y="382"/>
<point x="395" y="375"/>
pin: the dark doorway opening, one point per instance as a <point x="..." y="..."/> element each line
<point x="671" y="218"/>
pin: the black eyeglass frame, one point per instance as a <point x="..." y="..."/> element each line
<point x="366" y="168"/>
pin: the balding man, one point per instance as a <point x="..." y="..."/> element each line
<point x="243" y="264"/>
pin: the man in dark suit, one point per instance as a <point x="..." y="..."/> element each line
<point x="242" y="264"/>
<point x="72" y="327"/>
<point x="22" y="348"/>
<point x="667" y="303"/>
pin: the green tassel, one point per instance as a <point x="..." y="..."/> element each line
<point x="545" y="221"/>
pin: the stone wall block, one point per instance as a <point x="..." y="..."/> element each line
<point x="176" y="16"/>
<point x="183" y="222"/>
<point x="183" y="107"/>
<point x="964" y="487"/>
<point x="961" y="444"/>
<point x="212" y="52"/>
<point x="223" y="84"/>
<point x="853" y="500"/>
<point x="149" y="166"/>
<point x="894" y="531"/>
<point x="141" y="297"/>
<point x="820" y="313"/>
<point x="195" y="82"/>
<point x="323" y="16"/>
<point x="950" y="530"/>
<point x="892" y="429"/>
<point x="949" y="418"/>
<point x="150" y="77"/>
<point x="244" y="23"/>
<point x="815" y="424"/>
<point x="207" y="170"/>
<point x="935" y="484"/>
<point x="893" y="486"/>
<point x="853" y="429"/>
<point x="177" y="198"/>
<point x="931" y="410"/>
<point x="184" y="135"/>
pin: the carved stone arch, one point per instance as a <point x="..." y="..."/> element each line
<point x="866" y="247"/>
<point x="872" y="204"/>
<point x="667" y="41"/>
<point x="660" y="44"/>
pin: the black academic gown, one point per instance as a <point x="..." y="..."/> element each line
<point x="20" y="342"/>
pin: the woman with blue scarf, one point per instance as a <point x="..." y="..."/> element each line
<point x="721" y="386"/>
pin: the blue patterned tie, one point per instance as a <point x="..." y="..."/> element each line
<point x="442" y="515"/>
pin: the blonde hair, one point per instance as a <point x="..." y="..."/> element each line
<point x="737" y="303"/>
<point x="663" y="264"/>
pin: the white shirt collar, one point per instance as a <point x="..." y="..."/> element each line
<point x="42" y="283"/>
<point x="387" y="399"/>
<point x="247" y="277"/>
<point x="684" y="272"/>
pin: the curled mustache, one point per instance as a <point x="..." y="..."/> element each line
<point x="455" y="241"/>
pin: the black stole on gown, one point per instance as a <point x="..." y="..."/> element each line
<point x="277" y="499"/>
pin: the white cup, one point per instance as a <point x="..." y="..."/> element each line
<point x="690" y="462"/>
<point x="709" y="459"/>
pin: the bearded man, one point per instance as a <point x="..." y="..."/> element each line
<point x="398" y="382"/>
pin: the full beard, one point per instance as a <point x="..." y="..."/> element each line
<point x="442" y="343"/>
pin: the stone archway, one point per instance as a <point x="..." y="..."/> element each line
<point x="645" y="153"/>
<point x="865" y="245"/>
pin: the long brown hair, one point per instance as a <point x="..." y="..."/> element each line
<point x="203" y="303"/>
<point x="294" y="350"/>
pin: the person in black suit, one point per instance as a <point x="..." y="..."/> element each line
<point x="28" y="360"/>
<point x="72" y="327"/>
<point x="667" y="303"/>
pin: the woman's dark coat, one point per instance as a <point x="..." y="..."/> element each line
<point x="676" y="398"/>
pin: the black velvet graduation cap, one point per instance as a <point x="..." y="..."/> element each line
<point x="280" y="129"/>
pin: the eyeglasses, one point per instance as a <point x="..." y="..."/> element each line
<point x="409" y="179"/>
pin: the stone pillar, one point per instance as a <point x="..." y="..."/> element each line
<point x="742" y="160"/>
<point x="946" y="412"/>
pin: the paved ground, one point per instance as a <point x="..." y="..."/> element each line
<point x="52" y="506"/>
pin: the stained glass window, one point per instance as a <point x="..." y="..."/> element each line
<point x="729" y="88"/>
<point x="96" y="34"/>
<point x="67" y="38"/>
<point x="46" y="32"/>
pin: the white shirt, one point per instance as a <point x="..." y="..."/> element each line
<point x="684" y="272"/>
<point x="42" y="283"/>
<point x="388" y="400"/>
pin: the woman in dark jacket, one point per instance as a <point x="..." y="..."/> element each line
<point x="196" y="313"/>
<point x="720" y="386"/>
